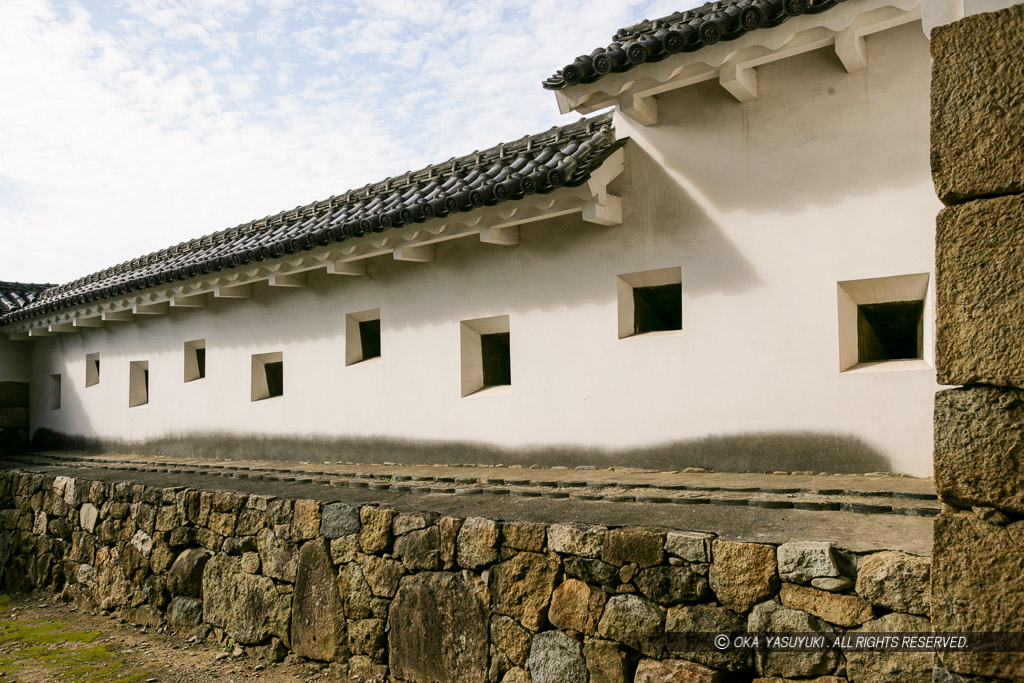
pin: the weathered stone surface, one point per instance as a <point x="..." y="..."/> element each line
<point x="833" y="585"/>
<point x="221" y="523"/>
<point x="771" y="617"/>
<point x="251" y="563"/>
<point x="339" y="519"/>
<point x="675" y="671"/>
<point x="634" y="621"/>
<point x="671" y="585"/>
<point x="405" y="522"/>
<point x="248" y="608"/>
<point x="277" y="553"/>
<point x="185" y="576"/>
<point x="306" y="522"/>
<point x="439" y="629"/>
<point x="575" y="606"/>
<point x="355" y="593"/>
<point x="592" y="570"/>
<point x="368" y="637"/>
<point x="448" y="528"/>
<point x="511" y="638"/>
<point x="375" y="531"/>
<point x="576" y="539"/>
<point x="909" y="667"/>
<point x="381" y="575"/>
<point x="896" y="581"/>
<point x="978" y="106"/>
<point x="742" y="574"/>
<point x="110" y="586"/>
<point x="318" y="621"/>
<point x="529" y="536"/>
<point x="801" y="561"/>
<point x="237" y="545"/>
<point x="607" y="661"/>
<point x="633" y="545"/>
<point x="345" y="549"/>
<point x="250" y="522"/>
<point x="88" y="516"/>
<point x="184" y="613"/>
<point x="516" y="675"/>
<point x="979" y="437"/>
<point x="978" y="585"/>
<point x="557" y="658"/>
<point x="420" y="550"/>
<point x="478" y="543"/>
<point x="521" y="588"/>
<point x="979" y="256"/>
<point x="842" y="610"/>
<point x="708" y="619"/>
<point x="692" y="546"/>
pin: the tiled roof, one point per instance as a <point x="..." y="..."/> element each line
<point x="654" y="40"/>
<point x="16" y="295"/>
<point x="540" y="163"/>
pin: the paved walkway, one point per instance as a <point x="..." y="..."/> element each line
<point x="858" y="512"/>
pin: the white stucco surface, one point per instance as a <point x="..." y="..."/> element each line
<point x="765" y="206"/>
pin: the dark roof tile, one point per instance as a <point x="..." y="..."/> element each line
<point x="17" y="295"/>
<point x="538" y="163"/>
<point x="654" y="40"/>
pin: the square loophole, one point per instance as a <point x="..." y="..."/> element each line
<point x="486" y="355"/>
<point x="92" y="369"/>
<point x="882" y="323"/>
<point x="138" y="383"/>
<point x="267" y="375"/>
<point x="362" y="336"/>
<point x="195" y="360"/>
<point x="650" y="302"/>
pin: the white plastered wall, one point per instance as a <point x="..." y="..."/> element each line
<point x="764" y="205"/>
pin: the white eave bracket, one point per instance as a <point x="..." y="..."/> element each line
<point x="495" y="225"/>
<point x="732" y="64"/>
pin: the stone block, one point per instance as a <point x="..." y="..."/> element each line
<point x="375" y="532"/>
<point x="405" y="522"/>
<point x="841" y="610"/>
<point x="88" y="515"/>
<point x="336" y="519"/>
<point x="634" y="621"/>
<point x="591" y="570"/>
<point x="607" y="662"/>
<point x="249" y="608"/>
<point x="582" y="540"/>
<point x="277" y="554"/>
<point x="802" y="561"/>
<point x="979" y="438"/>
<point x="743" y="574"/>
<point x="575" y="606"/>
<point x="449" y="528"/>
<point x="771" y="617"/>
<point x="381" y="575"/>
<point x="355" y="592"/>
<point x="691" y="546"/>
<point x="556" y="657"/>
<point x="891" y="666"/>
<point x="439" y="629"/>
<point x="529" y="536"/>
<point x="671" y="585"/>
<point x="318" y="622"/>
<point x="511" y="638"/>
<point x="420" y="550"/>
<point x="478" y="543"/>
<point x="896" y="580"/>
<point x="675" y="671"/>
<point x="979" y="256"/>
<point x="184" y="613"/>
<point x="978" y="105"/>
<point x="521" y="588"/>
<point x="368" y="637"/>
<point x="634" y="545"/>
<point x="977" y="583"/>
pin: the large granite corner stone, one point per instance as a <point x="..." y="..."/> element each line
<point x="318" y="621"/>
<point x="439" y="629"/>
<point x="979" y="442"/>
<point x="896" y="580"/>
<point x="977" y="105"/>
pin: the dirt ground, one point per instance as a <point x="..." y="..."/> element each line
<point x="43" y="639"/>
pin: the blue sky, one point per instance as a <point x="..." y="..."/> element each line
<point x="130" y="126"/>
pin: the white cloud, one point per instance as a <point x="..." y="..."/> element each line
<point x="127" y="128"/>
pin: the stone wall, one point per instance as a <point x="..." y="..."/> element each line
<point x="978" y="167"/>
<point x="13" y="416"/>
<point x="413" y="596"/>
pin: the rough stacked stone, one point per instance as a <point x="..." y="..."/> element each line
<point x="418" y="597"/>
<point x="977" y="577"/>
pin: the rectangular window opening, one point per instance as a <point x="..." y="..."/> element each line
<point x="494" y="352"/>
<point x="267" y="376"/>
<point x="890" y="331"/>
<point x="195" y="360"/>
<point x="362" y="336"/>
<point x="138" y="383"/>
<point x="92" y="369"/>
<point x="658" y="308"/>
<point x="53" y="392"/>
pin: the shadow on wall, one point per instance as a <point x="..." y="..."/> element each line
<point x="751" y="452"/>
